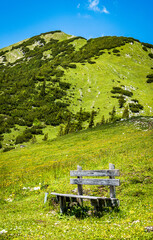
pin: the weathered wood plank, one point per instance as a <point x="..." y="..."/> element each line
<point x="80" y="188"/>
<point x="95" y="173"/>
<point x="112" y="188"/>
<point x="108" y="182"/>
<point x="62" y="204"/>
<point x="99" y="201"/>
<point x="81" y="196"/>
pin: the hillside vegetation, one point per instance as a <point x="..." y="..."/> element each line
<point x="55" y="79"/>
<point x="26" y="174"/>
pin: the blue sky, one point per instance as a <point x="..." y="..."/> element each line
<point x="21" y="19"/>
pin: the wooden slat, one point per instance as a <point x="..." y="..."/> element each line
<point x="94" y="181"/>
<point x="95" y="173"/>
<point x="112" y="188"/>
<point x="80" y="188"/>
<point x="82" y="196"/>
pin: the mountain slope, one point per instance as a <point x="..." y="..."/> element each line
<point x="53" y="77"/>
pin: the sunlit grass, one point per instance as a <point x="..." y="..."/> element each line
<point x="26" y="174"/>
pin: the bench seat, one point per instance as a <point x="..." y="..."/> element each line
<point x="98" y="202"/>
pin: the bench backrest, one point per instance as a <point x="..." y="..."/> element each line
<point x="111" y="173"/>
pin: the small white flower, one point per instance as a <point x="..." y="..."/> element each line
<point x="36" y="188"/>
<point x="9" y="199"/>
<point x="3" y="231"/>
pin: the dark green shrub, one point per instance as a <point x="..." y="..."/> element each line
<point x="19" y="139"/>
<point x="25" y="137"/>
<point x="150" y="55"/>
<point x="148" y="45"/>
<point x="144" y="48"/>
<point x="72" y="65"/>
<point x="121" y="91"/>
<point x="1" y="145"/>
<point x="64" y="85"/>
<point x="1" y="137"/>
<point x="116" y="51"/>
<point x="8" y="149"/>
<point x="150" y="80"/>
<point x="135" y="107"/>
<point x="78" y="211"/>
<point x="135" y="100"/>
<point x="34" y="130"/>
<point x="149" y="76"/>
<point x="91" y="62"/>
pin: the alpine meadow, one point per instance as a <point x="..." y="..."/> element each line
<point x="68" y="101"/>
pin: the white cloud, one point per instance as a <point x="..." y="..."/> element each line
<point x="93" y="5"/>
<point x="105" y="10"/>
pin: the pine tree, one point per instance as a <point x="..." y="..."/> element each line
<point x="91" y="121"/>
<point x="112" y="115"/>
<point x="126" y="113"/>
<point x="80" y="120"/>
<point x="45" y="137"/>
<point x="68" y="125"/>
<point x="103" y="120"/>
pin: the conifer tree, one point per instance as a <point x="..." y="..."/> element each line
<point x="126" y="113"/>
<point x="68" y="125"/>
<point x="112" y="115"/>
<point x="103" y="120"/>
<point x="80" y="120"/>
<point x="91" y="121"/>
<point x="45" y="137"/>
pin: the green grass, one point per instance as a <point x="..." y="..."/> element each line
<point x="94" y="82"/>
<point x="126" y="144"/>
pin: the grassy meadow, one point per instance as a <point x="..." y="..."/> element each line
<point x="27" y="173"/>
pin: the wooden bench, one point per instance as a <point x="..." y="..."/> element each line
<point x="98" y="202"/>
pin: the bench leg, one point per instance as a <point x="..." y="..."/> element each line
<point x="95" y="204"/>
<point x="62" y="204"/>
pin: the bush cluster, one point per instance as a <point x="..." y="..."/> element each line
<point x="150" y="55"/>
<point x="28" y="134"/>
<point x="150" y="78"/>
<point x="121" y="91"/>
<point x="135" y="107"/>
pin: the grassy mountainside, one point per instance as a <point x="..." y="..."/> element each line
<point x="55" y="78"/>
<point x="26" y="174"/>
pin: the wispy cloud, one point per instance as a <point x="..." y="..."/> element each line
<point x="86" y="16"/>
<point x="78" y="6"/>
<point x="93" y="5"/>
<point x="105" y="10"/>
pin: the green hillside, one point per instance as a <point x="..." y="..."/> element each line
<point x="67" y="101"/>
<point x="55" y="79"/>
<point x="27" y="173"/>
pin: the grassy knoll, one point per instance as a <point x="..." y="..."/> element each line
<point x="26" y="173"/>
